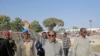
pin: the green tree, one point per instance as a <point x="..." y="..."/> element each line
<point x="17" y="24"/>
<point x="61" y="30"/>
<point x="4" y="22"/>
<point x="52" y="22"/>
<point x="75" y="27"/>
<point x="60" y="22"/>
<point x="36" y="26"/>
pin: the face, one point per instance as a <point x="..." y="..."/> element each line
<point x="83" y="33"/>
<point x="25" y="35"/>
<point x="7" y="36"/>
<point x="52" y="36"/>
<point x="64" y="35"/>
<point x="44" y="35"/>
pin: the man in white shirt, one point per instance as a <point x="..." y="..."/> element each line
<point x="81" y="46"/>
<point x="52" y="47"/>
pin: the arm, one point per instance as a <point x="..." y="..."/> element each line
<point x="19" y="50"/>
<point x="33" y="49"/>
<point x="33" y="34"/>
<point x="61" y="51"/>
<point x="69" y="43"/>
<point x="14" y="47"/>
<point x="74" y="48"/>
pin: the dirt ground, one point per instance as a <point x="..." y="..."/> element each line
<point x="96" y="48"/>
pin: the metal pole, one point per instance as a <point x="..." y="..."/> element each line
<point x="90" y="23"/>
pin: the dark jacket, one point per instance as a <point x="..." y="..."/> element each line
<point x="40" y="50"/>
<point x="5" y="49"/>
<point x="13" y="46"/>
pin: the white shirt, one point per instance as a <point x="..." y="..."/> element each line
<point x="53" y="48"/>
<point x="81" y="47"/>
<point x="26" y="48"/>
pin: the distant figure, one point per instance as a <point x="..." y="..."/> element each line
<point x="40" y="44"/>
<point x="43" y="38"/>
<point x="39" y="49"/>
<point x="66" y="44"/>
<point x="81" y="45"/>
<point x="6" y="33"/>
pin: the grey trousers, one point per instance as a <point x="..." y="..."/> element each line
<point x="65" y="51"/>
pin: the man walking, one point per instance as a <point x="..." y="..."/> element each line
<point x="81" y="46"/>
<point x="52" y="47"/>
<point x="66" y="44"/>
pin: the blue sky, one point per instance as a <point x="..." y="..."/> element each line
<point x="72" y="12"/>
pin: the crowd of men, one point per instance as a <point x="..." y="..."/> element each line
<point x="31" y="44"/>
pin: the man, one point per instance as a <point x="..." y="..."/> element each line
<point x="66" y="44"/>
<point x="43" y="38"/>
<point x="44" y="35"/>
<point x="40" y="44"/>
<point x="26" y="46"/>
<point x="39" y="49"/>
<point x="81" y="46"/>
<point x="52" y="47"/>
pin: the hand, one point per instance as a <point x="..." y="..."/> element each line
<point x="69" y="44"/>
<point x="26" y="24"/>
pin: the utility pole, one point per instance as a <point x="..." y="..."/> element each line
<point x="90" y="21"/>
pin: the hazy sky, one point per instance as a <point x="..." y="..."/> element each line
<point x="72" y="12"/>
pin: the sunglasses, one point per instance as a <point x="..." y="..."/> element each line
<point x="84" y="31"/>
<point x="25" y="34"/>
<point x="51" y="35"/>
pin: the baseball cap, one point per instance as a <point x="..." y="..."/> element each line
<point x="24" y="31"/>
